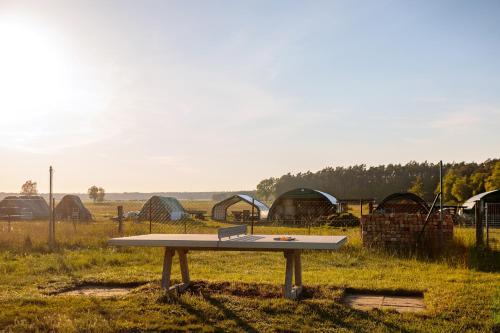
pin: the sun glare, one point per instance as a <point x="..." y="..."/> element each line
<point x="32" y="70"/>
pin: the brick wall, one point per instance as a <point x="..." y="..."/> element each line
<point x="401" y="230"/>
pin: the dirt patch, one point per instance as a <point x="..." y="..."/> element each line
<point x="98" y="290"/>
<point x="402" y="302"/>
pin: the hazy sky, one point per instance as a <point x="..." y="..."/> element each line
<point x="217" y="95"/>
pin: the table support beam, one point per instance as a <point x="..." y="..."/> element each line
<point x="167" y="270"/>
<point x="184" y="266"/>
<point x="293" y="265"/>
<point x="293" y="270"/>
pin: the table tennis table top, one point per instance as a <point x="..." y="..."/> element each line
<point x="243" y="242"/>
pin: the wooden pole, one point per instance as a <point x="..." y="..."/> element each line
<point x="440" y="197"/>
<point x="120" y="218"/>
<point x="253" y="211"/>
<point x="150" y="217"/>
<point x="51" y="209"/>
<point x="479" y="224"/>
<point x="487" y="226"/>
<point x="54" y="220"/>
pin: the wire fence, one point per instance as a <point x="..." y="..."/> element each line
<point x="82" y="223"/>
<point x="488" y="230"/>
<point x="491" y="222"/>
<point x="25" y="220"/>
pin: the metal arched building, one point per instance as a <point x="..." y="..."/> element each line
<point x="482" y="198"/>
<point x="301" y="203"/>
<point x="403" y="202"/>
<point x="219" y="211"/>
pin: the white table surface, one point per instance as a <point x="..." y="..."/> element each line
<point x="244" y="242"/>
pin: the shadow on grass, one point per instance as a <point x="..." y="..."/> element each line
<point x="202" y="316"/>
<point x="338" y="312"/>
<point x="485" y="260"/>
<point x="317" y="300"/>
<point x="229" y="314"/>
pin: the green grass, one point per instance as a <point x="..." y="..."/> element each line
<point x="235" y="291"/>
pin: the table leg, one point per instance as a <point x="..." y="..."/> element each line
<point x="287" y="288"/>
<point x="167" y="268"/>
<point x="184" y="270"/>
<point x="293" y="265"/>
<point x="298" y="275"/>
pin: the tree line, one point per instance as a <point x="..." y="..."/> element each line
<point x="461" y="180"/>
<point x="95" y="193"/>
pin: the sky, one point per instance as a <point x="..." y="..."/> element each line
<point x="218" y="95"/>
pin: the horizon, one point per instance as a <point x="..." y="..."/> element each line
<point x="196" y="97"/>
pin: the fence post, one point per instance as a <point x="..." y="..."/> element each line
<point x="120" y="218"/>
<point x="51" y="210"/>
<point x="487" y="226"/>
<point x="479" y="224"/>
<point x="150" y="212"/>
<point x="54" y="220"/>
<point x="253" y="212"/>
<point x="9" y="227"/>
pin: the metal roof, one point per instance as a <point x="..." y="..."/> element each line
<point x="330" y="197"/>
<point x="220" y="209"/>
<point x="471" y="202"/>
<point x="305" y="192"/>
<point x="299" y="194"/>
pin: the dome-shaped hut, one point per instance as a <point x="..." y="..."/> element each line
<point x="404" y="202"/>
<point x="25" y="207"/>
<point x="302" y="203"/>
<point x="219" y="211"/>
<point x="71" y="207"/>
<point x="162" y="209"/>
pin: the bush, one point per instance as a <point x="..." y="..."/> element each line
<point x="344" y="219"/>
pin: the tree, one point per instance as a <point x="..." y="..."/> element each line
<point x="100" y="194"/>
<point x="360" y="181"/>
<point x="417" y="187"/>
<point x="29" y="188"/>
<point x="477" y="181"/>
<point x="493" y="181"/>
<point x="461" y="189"/>
<point x="93" y="192"/>
<point x="266" y="188"/>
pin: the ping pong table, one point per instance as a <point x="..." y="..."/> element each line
<point x="233" y="239"/>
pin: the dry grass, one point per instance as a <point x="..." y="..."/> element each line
<point x="235" y="291"/>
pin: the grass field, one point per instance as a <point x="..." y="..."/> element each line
<point x="234" y="291"/>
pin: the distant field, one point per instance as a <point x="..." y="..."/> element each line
<point x="238" y="291"/>
<point x="108" y="208"/>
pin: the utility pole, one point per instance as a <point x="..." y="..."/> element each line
<point x="440" y="202"/>
<point x="441" y="192"/>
